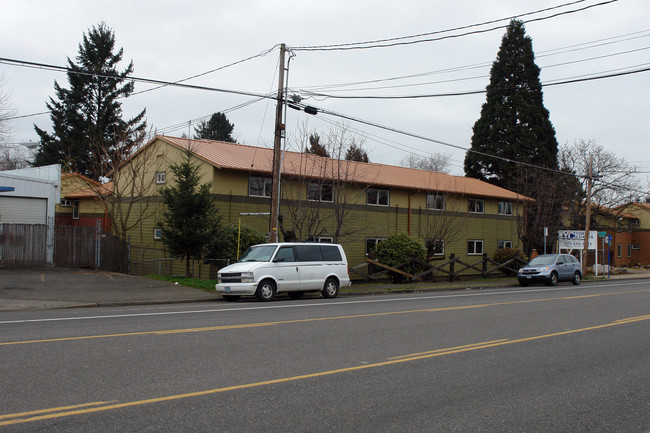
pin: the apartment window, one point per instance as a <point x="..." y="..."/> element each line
<point x="377" y="197"/>
<point x="157" y="234"/>
<point x="505" y="208"/>
<point x="75" y="209"/>
<point x="259" y="186"/>
<point x="476" y="205"/>
<point x="474" y="247"/>
<point x="320" y="192"/>
<point x="435" y="247"/>
<point x="66" y="202"/>
<point x="371" y="244"/>
<point x="161" y="177"/>
<point x="629" y="250"/>
<point x="618" y="250"/>
<point x="435" y="202"/>
<point x="504" y="244"/>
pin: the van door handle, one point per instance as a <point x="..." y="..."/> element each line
<point x="296" y="268"/>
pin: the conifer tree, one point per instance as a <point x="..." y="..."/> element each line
<point x="217" y="128"/>
<point x="316" y="147"/>
<point x="514" y="123"/>
<point x="87" y="118"/>
<point x="190" y="220"/>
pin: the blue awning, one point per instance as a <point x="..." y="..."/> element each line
<point x="6" y="188"/>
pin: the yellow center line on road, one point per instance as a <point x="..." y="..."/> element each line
<point x="55" y="409"/>
<point x="317" y="319"/>
<point x="44" y="415"/>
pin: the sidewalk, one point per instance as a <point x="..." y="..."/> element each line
<point x="51" y="288"/>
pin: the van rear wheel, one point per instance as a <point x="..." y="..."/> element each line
<point x="265" y="290"/>
<point x="331" y="288"/>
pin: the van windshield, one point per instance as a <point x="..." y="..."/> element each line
<point x="259" y="253"/>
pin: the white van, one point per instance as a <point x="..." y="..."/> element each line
<point x="296" y="268"/>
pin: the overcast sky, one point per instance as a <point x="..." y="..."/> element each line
<point x="171" y="40"/>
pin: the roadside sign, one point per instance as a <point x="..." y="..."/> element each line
<point x="602" y="234"/>
<point x="610" y="238"/>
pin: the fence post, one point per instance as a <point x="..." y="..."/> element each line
<point x="485" y="263"/>
<point x="452" y="263"/>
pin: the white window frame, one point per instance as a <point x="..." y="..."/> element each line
<point x="442" y="252"/>
<point x="161" y="177"/>
<point x="629" y="250"/>
<point x="378" y="191"/>
<point x="505" y="208"/>
<point x="376" y="242"/>
<point x="504" y="244"/>
<point x="475" y="242"/>
<point x="319" y="188"/>
<point x="435" y="199"/>
<point x="267" y="186"/>
<point x="325" y="239"/>
<point x="618" y="250"/>
<point x="66" y="202"/>
<point x="157" y="234"/>
<point x="476" y="202"/>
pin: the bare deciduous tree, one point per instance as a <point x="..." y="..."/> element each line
<point x="319" y="199"/>
<point x="615" y="181"/>
<point x="131" y="184"/>
<point x="438" y="162"/>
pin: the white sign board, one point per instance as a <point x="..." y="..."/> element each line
<point x="575" y="239"/>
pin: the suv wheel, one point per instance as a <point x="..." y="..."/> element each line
<point x="265" y="290"/>
<point x="576" y="278"/>
<point x="553" y="280"/>
<point x="331" y="288"/>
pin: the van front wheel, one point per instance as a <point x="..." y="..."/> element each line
<point x="265" y="290"/>
<point x="331" y="288"/>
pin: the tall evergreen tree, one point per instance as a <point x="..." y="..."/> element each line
<point x="87" y="118"/>
<point x="514" y="124"/>
<point x="190" y="221"/>
<point x="217" y="128"/>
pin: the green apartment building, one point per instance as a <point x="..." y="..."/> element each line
<point x="353" y="203"/>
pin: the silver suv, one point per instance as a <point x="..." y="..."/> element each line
<point x="549" y="269"/>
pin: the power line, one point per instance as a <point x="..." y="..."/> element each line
<point x="392" y="42"/>
<point x="476" y="92"/>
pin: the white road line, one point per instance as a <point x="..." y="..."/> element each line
<point x="320" y="304"/>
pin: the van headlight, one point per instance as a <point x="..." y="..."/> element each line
<point x="247" y="277"/>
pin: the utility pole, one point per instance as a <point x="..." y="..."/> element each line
<point x="585" y="253"/>
<point x="277" y="152"/>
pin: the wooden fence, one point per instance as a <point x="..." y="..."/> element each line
<point x="450" y="269"/>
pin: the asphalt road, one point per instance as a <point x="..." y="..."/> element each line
<point x="561" y="359"/>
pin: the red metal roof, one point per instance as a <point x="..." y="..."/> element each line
<point x="253" y="159"/>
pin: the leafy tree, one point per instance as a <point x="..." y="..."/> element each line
<point x="89" y="113"/>
<point x="217" y="128"/>
<point x="316" y="147"/>
<point x="399" y="249"/>
<point x="514" y="124"/>
<point x="229" y="237"/>
<point x="190" y="221"/>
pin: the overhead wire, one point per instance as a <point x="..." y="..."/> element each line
<point x="399" y="41"/>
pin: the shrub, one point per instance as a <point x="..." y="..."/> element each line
<point x="224" y="245"/>
<point x="398" y="249"/>
<point x="502" y="255"/>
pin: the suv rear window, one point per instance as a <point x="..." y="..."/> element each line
<point x="330" y="253"/>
